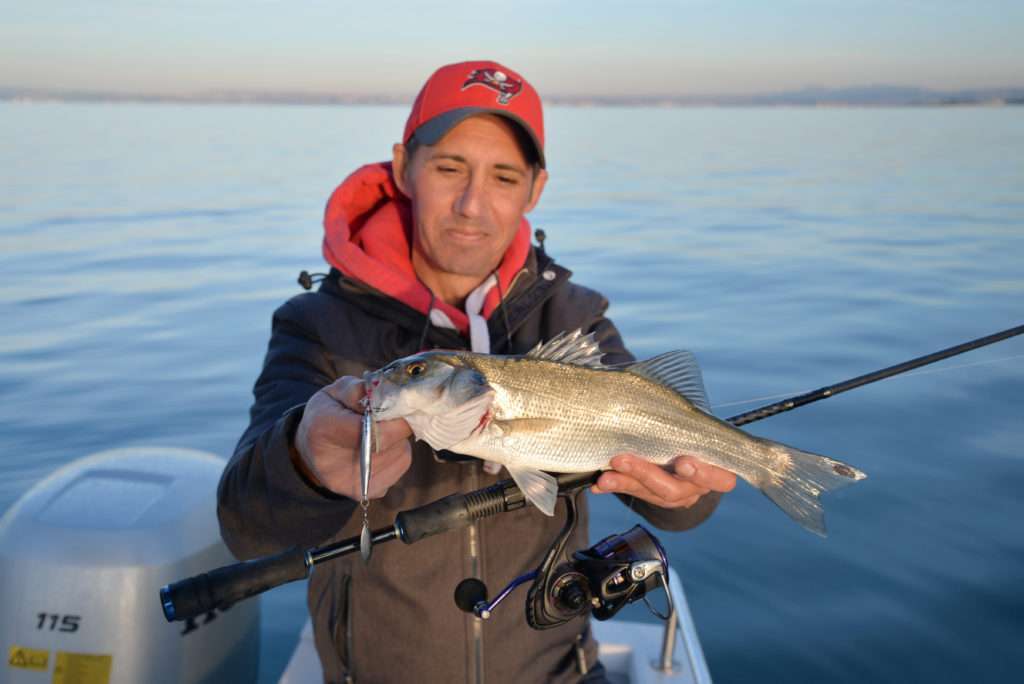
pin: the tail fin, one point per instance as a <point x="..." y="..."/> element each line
<point x="796" y="490"/>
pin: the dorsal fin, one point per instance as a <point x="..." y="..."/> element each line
<point x="677" y="370"/>
<point x="570" y="347"/>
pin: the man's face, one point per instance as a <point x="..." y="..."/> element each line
<point x="469" y="193"/>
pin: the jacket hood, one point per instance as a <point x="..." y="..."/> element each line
<point x="368" y="237"/>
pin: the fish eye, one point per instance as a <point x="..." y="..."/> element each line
<point x="414" y="369"/>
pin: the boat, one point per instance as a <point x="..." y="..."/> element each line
<point x="85" y="552"/>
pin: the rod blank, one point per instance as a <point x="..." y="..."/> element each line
<point x="861" y="380"/>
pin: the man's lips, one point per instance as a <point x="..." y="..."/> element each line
<point x="466" y="234"/>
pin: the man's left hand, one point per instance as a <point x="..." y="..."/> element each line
<point x="680" y="486"/>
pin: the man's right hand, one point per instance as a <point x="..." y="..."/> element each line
<point x="328" y="439"/>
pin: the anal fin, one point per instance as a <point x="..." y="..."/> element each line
<point x="538" y="487"/>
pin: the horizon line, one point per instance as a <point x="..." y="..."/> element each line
<point x="811" y="95"/>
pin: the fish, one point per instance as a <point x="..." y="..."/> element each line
<point x="559" y="409"/>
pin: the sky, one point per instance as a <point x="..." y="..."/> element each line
<point x="388" y="47"/>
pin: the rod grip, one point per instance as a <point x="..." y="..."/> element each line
<point x="456" y="511"/>
<point x="224" y="586"/>
<point x="445" y="514"/>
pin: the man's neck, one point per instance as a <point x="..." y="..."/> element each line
<point x="448" y="287"/>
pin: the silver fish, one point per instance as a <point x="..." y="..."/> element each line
<point x="558" y="409"/>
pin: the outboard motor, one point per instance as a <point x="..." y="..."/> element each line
<point x="83" y="555"/>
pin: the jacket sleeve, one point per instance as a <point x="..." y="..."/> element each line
<point x="675" y="519"/>
<point x="263" y="504"/>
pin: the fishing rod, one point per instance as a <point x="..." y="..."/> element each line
<point x="868" y="378"/>
<point x="224" y="586"/>
<point x="617" y="570"/>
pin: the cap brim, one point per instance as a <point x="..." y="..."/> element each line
<point x="431" y="132"/>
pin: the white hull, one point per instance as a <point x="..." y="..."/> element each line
<point x="630" y="651"/>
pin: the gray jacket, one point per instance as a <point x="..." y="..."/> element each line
<point x="394" y="620"/>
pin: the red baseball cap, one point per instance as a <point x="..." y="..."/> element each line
<point x="457" y="91"/>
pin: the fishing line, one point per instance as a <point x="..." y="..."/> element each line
<point x="920" y="372"/>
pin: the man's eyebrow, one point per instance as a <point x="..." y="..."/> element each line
<point x="454" y="157"/>
<point x="462" y="160"/>
<point x="510" y="167"/>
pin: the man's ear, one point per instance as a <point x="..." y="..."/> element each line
<point x="539" y="181"/>
<point x="399" y="165"/>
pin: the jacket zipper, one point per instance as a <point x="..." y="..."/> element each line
<point x="473" y="532"/>
<point x="346" y="624"/>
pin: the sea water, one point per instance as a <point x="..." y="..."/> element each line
<point x="143" y="249"/>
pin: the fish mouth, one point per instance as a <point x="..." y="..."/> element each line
<point x="378" y="400"/>
<point x="378" y="409"/>
<point x="372" y="401"/>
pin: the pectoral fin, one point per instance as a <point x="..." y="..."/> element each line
<point x="538" y="487"/>
<point x="524" y="426"/>
<point x="446" y="430"/>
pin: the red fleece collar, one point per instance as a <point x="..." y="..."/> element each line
<point x="368" y="237"/>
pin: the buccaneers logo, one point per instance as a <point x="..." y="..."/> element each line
<point x="499" y="81"/>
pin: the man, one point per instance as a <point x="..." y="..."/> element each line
<point x="429" y="251"/>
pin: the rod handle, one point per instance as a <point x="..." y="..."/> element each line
<point x="461" y="510"/>
<point x="224" y="586"/>
<point x="456" y="511"/>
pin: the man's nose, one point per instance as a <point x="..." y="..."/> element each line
<point x="470" y="201"/>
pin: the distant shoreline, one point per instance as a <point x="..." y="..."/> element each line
<point x="861" y="96"/>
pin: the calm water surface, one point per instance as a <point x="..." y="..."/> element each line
<point x="143" y="249"/>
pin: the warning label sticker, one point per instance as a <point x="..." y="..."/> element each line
<point x="28" y="658"/>
<point x="82" y="668"/>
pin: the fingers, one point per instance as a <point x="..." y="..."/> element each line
<point x="388" y="467"/>
<point x="704" y="474"/>
<point x="341" y="474"/>
<point x="326" y="420"/>
<point x="330" y="433"/>
<point x="391" y="432"/>
<point x="646" y="481"/>
<point x="334" y="415"/>
<point x="347" y="391"/>
<point x="682" y="486"/>
<point x="686" y="495"/>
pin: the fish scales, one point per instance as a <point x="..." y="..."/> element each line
<point x="598" y="414"/>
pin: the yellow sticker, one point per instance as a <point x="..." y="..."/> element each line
<point x="82" y="668"/>
<point x="28" y="658"/>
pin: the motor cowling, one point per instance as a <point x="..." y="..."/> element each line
<point x="83" y="555"/>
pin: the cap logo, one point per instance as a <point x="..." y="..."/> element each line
<point x="496" y="80"/>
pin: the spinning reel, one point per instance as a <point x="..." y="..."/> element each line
<point x="616" y="571"/>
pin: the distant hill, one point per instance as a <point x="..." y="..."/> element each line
<point x="819" y="96"/>
<point x="811" y="96"/>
